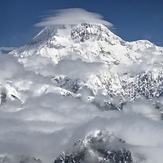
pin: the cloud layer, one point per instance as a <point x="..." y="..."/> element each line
<point x="7" y="48"/>
<point x="73" y="16"/>
<point x="47" y="123"/>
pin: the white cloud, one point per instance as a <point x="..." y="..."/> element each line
<point x="73" y="16"/>
<point x="7" y="48"/>
<point x="9" y="67"/>
<point x="78" y="68"/>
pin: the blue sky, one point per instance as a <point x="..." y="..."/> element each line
<point x="132" y="19"/>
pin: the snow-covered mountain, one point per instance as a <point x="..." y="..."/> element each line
<point x="91" y="56"/>
<point x="98" y="147"/>
<point x="81" y="82"/>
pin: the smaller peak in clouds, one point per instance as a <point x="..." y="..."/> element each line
<point x="73" y="16"/>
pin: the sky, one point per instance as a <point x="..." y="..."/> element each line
<point x="131" y="19"/>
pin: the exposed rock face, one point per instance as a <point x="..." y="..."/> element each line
<point x="118" y="156"/>
<point x="3" y="96"/>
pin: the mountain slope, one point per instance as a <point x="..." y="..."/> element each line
<point x="90" y="55"/>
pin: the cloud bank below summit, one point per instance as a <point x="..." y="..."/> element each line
<point x="73" y="16"/>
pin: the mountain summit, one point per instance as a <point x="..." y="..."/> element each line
<point x="67" y="38"/>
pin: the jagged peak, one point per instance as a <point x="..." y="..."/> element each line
<point x="78" y="32"/>
<point x="92" y="31"/>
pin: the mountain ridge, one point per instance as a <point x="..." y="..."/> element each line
<point x="92" y="44"/>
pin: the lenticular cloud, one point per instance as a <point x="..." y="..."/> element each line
<point x="73" y="16"/>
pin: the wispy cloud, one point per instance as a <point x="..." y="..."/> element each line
<point x="7" y="48"/>
<point x="73" y="16"/>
